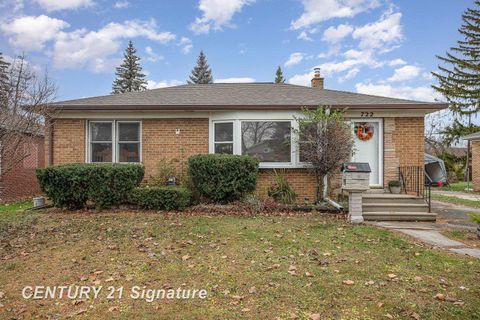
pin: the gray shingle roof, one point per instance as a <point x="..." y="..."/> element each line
<point x="228" y="95"/>
<point x="472" y="136"/>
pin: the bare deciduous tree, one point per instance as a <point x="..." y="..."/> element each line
<point x="325" y="140"/>
<point x="23" y="111"/>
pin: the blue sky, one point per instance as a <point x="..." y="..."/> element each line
<point x="384" y="47"/>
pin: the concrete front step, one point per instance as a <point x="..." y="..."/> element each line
<point x="395" y="207"/>
<point x="399" y="216"/>
<point x="392" y="198"/>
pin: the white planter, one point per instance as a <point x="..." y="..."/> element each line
<point x="395" y="190"/>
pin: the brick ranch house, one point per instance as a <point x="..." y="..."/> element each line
<point x="474" y="139"/>
<point x="177" y="122"/>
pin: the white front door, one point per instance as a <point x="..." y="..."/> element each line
<point x="368" y="136"/>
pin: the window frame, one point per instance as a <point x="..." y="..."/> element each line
<point x="237" y="136"/>
<point x="224" y="142"/>
<point x="117" y="140"/>
<point x="114" y="142"/>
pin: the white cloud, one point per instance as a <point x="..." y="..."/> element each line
<point x="163" y="84"/>
<point x="381" y="33"/>
<point x="422" y="93"/>
<point x="216" y="14"/>
<point x="304" y="35"/>
<point x="316" y="11"/>
<point x="54" y="5"/>
<point x="92" y="48"/>
<point x="405" y="73"/>
<point x="186" y="45"/>
<point x="352" y="73"/>
<point x="295" y="58"/>
<point x="336" y="34"/>
<point x="301" y="79"/>
<point x="152" y="56"/>
<point x="122" y="4"/>
<point x="396" y="62"/>
<point x="235" y="80"/>
<point x="31" y="33"/>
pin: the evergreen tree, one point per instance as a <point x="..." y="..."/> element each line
<point x="201" y="73"/>
<point x="4" y="82"/>
<point x="129" y="76"/>
<point x="460" y="83"/>
<point x="279" y="76"/>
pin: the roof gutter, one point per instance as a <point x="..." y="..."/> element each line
<point x="432" y="106"/>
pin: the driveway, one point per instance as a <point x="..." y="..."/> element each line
<point x="454" y="214"/>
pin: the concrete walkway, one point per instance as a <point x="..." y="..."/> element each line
<point x="429" y="233"/>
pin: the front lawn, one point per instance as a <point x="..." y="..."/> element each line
<point x="252" y="267"/>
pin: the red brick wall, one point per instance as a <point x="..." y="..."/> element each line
<point x="475" y="146"/>
<point x="403" y="145"/>
<point x="160" y="141"/>
<point x="20" y="181"/>
<point x="68" y="141"/>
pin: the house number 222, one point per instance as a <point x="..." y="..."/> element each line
<point x="366" y="114"/>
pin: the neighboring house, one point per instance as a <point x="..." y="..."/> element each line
<point x="17" y="173"/>
<point x="240" y="118"/>
<point x="474" y="140"/>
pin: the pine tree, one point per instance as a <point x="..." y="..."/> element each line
<point x="460" y="84"/>
<point x="4" y="82"/>
<point x="201" y="73"/>
<point x="129" y="76"/>
<point x="279" y="76"/>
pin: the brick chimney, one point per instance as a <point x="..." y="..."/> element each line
<point x="317" y="80"/>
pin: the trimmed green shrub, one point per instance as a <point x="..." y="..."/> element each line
<point x="161" y="198"/>
<point x="223" y="177"/>
<point x="72" y="185"/>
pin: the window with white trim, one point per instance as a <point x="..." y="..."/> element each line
<point x="270" y="141"/>
<point x="114" y="141"/>
<point x="223" y="137"/>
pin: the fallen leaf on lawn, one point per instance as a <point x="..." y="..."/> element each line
<point x="380" y="304"/>
<point x="327" y="254"/>
<point x="81" y="311"/>
<point x="440" y="297"/>
<point x="392" y="275"/>
<point x="185" y="257"/>
<point x="417" y="278"/>
<point x="369" y="283"/>
<point x="348" y="282"/>
<point x="292" y="270"/>
<point x="109" y="279"/>
<point x="315" y="316"/>
<point x="308" y="274"/>
<point x="237" y="297"/>
<point x="252" y="290"/>
<point x="2" y="294"/>
<point x="389" y="316"/>
<point x="275" y="266"/>
<point x="245" y="310"/>
<point x="415" y="316"/>
<point x="112" y="309"/>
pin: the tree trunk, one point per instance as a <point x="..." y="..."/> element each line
<point x="320" y="197"/>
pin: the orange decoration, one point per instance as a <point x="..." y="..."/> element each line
<point x="364" y="131"/>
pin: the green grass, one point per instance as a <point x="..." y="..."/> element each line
<point x="458" y="186"/>
<point x="456" y="200"/>
<point x="228" y="256"/>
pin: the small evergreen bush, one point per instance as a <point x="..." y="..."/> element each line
<point x="223" y="177"/>
<point x="161" y="198"/>
<point x="72" y="185"/>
